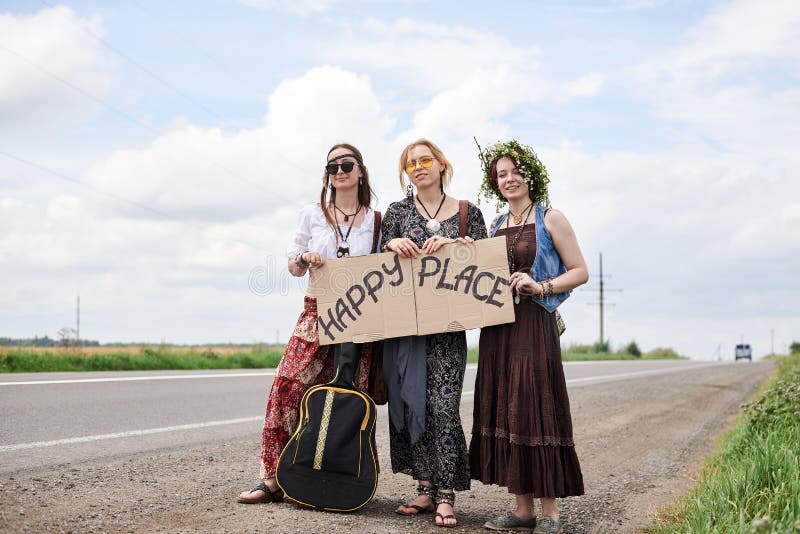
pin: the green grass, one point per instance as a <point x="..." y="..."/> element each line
<point x="164" y="357"/>
<point x="146" y="359"/>
<point x="752" y="484"/>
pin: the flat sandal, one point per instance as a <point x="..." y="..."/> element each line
<point x="445" y="497"/>
<point x="422" y="489"/>
<point x="269" y="496"/>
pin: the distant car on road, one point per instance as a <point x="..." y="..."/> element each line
<point x="743" y="352"/>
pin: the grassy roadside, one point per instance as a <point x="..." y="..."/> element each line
<point x="164" y="357"/>
<point x="25" y="360"/>
<point x="752" y="483"/>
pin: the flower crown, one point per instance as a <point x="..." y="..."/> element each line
<point x="528" y="163"/>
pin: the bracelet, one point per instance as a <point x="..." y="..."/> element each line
<point x="299" y="261"/>
<point x="543" y="289"/>
<point x="547" y="288"/>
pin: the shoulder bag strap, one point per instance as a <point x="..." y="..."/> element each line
<point x="463" y="206"/>
<point x="376" y="232"/>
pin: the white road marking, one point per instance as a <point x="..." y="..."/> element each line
<point x="130" y="433"/>
<point x="133" y="379"/>
<point x="623" y="376"/>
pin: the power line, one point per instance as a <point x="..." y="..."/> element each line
<point x="118" y="197"/>
<point x="144" y="125"/>
<point x="131" y="118"/>
<point x="214" y="59"/>
<point x="174" y="33"/>
<point x="144" y="69"/>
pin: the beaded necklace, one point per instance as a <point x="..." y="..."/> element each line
<point x="512" y="248"/>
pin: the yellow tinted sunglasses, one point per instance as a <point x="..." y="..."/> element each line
<point x="426" y="162"/>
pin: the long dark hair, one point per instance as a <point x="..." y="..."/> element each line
<point x="365" y="192"/>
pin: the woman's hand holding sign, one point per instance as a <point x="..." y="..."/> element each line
<point x="434" y="243"/>
<point x="406" y="248"/>
<point x="403" y="247"/>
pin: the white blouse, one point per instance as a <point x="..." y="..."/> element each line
<point x="315" y="234"/>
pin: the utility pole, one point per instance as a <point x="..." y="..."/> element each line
<point x="78" y="324"/>
<point x="602" y="303"/>
<point x="602" y="337"/>
<point x="773" y="343"/>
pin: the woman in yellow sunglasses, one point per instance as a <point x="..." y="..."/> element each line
<point x="425" y="374"/>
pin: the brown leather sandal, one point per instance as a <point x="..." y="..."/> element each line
<point x="269" y="496"/>
<point x="422" y="489"/>
<point x="445" y="497"/>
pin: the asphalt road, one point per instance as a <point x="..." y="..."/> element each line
<point x="49" y="419"/>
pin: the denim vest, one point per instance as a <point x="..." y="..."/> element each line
<point x="547" y="264"/>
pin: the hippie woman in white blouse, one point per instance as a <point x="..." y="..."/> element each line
<point x="341" y="224"/>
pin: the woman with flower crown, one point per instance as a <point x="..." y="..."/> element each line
<point x="522" y="428"/>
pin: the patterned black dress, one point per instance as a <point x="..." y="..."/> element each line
<point x="440" y="454"/>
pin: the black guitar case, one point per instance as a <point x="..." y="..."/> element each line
<point x="329" y="462"/>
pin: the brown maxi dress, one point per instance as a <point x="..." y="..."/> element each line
<point x="522" y="428"/>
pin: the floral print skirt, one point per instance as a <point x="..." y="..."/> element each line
<point x="304" y="363"/>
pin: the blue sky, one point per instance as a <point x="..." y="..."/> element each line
<point x="153" y="156"/>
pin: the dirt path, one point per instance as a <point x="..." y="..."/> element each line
<point x="639" y="442"/>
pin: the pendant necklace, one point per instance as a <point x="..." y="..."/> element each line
<point x="346" y="215"/>
<point x="513" y="246"/>
<point x="517" y="218"/>
<point x="344" y="247"/>
<point x="433" y="226"/>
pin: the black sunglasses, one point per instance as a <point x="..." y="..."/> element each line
<point x="346" y="166"/>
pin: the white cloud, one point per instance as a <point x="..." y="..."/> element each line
<point x="53" y="40"/>
<point x="425" y="56"/>
<point x="714" y="80"/>
<point x="202" y="174"/>
<point x="738" y="36"/>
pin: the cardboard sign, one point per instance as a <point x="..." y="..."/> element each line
<point x="461" y="287"/>
<point x="367" y="298"/>
<point x="364" y="298"/>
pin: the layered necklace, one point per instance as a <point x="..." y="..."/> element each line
<point x="433" y="226"/>
<point x="512" y="248"/>
<point x="517" y="218"/>
<point x="344" y="246"/>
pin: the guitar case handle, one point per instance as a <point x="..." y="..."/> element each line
<point x="345" y="360"/>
